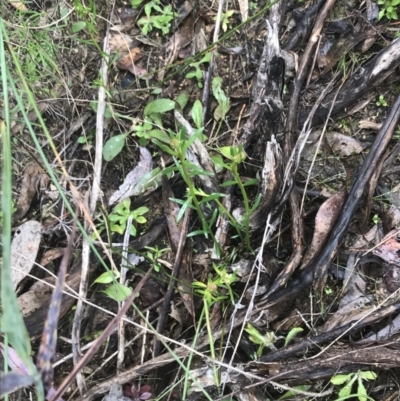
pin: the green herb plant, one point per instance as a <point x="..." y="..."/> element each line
<point x="87" y="14"/>
<point x="268" y="339"/>
<point x="388" y="9"/>
<point x="347" y="381"/>
<point x="116" y="291"/>
<point x="223" y="102"/>
<point x="120" y="215"/>
<point x="217" y="289"/>
<point x="197" y="73"/>
<point x="225" y="19"/>
<point x="117" y="220"/>
<point x="153" y="255"/>
<point x="156" y="16"/>
<point x="381" y="101"/>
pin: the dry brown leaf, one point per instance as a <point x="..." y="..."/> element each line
<point x="19" y="5"/>
<point x="244" y="9"/>
<point x="324" y="222"/>
<point x="24" y="249"/>
<point x="128" y="60"/>
<point x="127" y="188"/>
<point x="39" y="293"/>
<point x="119" y="42"/>
<point x="50" y="255"/>
<point x="180" y="39"/>
<point x="344" y="145"/>
<point x="389" y="248"/>
<point x="34" y="179"/>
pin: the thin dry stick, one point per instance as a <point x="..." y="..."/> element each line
<point x="122" y="280"/>
<point x="93" y="202"/>
<point x="207" y="80"/>
<point x="174" y="275"/>
<point x="104" y="335"/>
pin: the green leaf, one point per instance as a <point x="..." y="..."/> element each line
<point x="292" y="333"/>
<point x="361" y="391"/>
<point x="194" y="233"/>
<point x="116" y="228"/>
<point x="78" y="26"/>
<point x="183" y="210"/>
<point x="381" y="14"/>
<point x="368" y="375"/>
<point x="254" y="181"/>
<point x="228" y="183"/>
<point x="291" y="393"/>
<point x="141" y="210"/>
<point x="206" y="58"/>
<point x="345" y="391"/>
<point x="160" y="135"/>
<point x="113" y="147"/>
<point x="338" y="380"/>
<point x="197" y="113"/>
<point x="133" y="231"/>
<point x="164" y="147"/>
<point x="141" y="219"/>
<point x="106" y="277"/>
<point x="182" y="99"/>
<point x="159" y="106"/>
<point x="118" y="292"/>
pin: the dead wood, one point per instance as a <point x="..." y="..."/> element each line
<point x="304" y="22"/>
<point x="364" y="79"/>
<point x="337" y="361"/>
<point x="35" y="321"/>
<point x="317" y="271"/>
<point x="335" y="334"/>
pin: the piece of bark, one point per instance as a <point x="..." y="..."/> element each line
<point x="35" y="321"/>
<point x="363" y="80"/>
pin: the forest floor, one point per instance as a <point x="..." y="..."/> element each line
<point x="224" y="177"/>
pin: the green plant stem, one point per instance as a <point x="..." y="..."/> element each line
<point x="189" y="361"/>
<point x="230" y="217"/>
<point x="246" y="220"/>
<point x="211" y="340"/>
<point x="192" y="193"/>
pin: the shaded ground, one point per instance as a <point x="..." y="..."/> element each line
<point x="257" y="159"/>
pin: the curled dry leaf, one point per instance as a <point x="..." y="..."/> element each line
<point x="271" y="180"/>
<point x="344" y="145"/>
<point x="354" y="303"/>
<point x="129" y="187"/>
<point x="120" y="42"/>
<point x="128" y="59"/>
<point x="24" y="249"/>
<point x="324" y="222"/>
<point x="34" y="179"/>
<point x="50" y="255"/>
<point x="389" y="248"/>
<point x="39" y="293"/>
<point x="19" y="5"/>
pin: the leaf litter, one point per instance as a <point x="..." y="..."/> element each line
<point x="344" y="295"/>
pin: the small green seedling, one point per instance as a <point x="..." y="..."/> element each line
<point x="388" y="9"/>
<point x="223" y="101"/>
<point x="348" y="381"/>
<point x="225" y="19"/>
<point x="381" y="101"/>
<point x="120" y="215"/>
<point x="157" y="16"/>
<point x="152" y="128"/>
<point x="115" y="291"/>
<point x="153" y="255"/>
<point x="266" y="340"/>
<point x="197" y="73"/>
